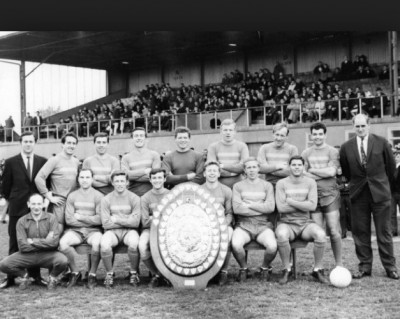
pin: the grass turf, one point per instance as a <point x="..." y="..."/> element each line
<point x="374" y="297"/>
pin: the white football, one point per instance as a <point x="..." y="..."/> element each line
<point x="340" y="277"/>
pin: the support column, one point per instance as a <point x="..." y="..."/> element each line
<point x="392" y="41"/>
<point x="395" y="74"/>
<point x="22" y="84"/>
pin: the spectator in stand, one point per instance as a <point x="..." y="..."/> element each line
<point x="28" y="121"/>
<point x="347" y="69"/>
<point x="336" y="75"/>
<point x="368" y="72"/>
<point x="61" y="129"/>
<point x="293" y="110"/>
<point x="355" y="109"/>
<point x="321" y="71"/>
<point x="37" y="121"/>
<point x="273" y="115"/>
<point x="359" y="61"/>
<point x="278" y="69"/>
<point x="116" y="113"/>
<point x="270" y="94"/>
<point x="320" y="108"/>
<point x="384" y="74"/>
<point x="368" y="105"/>
<point x="380" y="101"/>
<point x="332" y="107"/>
<point x="309" y="112"/>
<point x="347" y="105"/>
<point x="9" y="128"/>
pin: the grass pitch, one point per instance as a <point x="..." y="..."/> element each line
<point x="374" y="297"/>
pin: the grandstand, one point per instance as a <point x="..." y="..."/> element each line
<point x="160" y="80"/>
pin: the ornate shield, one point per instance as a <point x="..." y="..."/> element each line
<point x="189" y="236"/>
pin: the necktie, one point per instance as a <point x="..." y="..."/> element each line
<point x="363" y="155"/>
<point x="28" y="168"/>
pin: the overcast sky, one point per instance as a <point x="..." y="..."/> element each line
<point x="48" y="86"/>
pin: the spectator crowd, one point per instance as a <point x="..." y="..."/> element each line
<point x="287" y="98"/>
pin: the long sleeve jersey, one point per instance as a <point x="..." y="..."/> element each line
<point x="135" y="163"/>
<point x="303" y="190"/>
<point x="102" y="166"/>
<point x="125" y="207"/>
<point x="223" y="196"/>
<point x="323" y="157"/>
<point x="149" y="203"/>
<point x="87" y="205"/>
<point x="231" y="155"/>
<point x="259" y="193"/>
<point x="179" y="164"/>
<point x="62" y="171"/>
<point x="272" y="155"/>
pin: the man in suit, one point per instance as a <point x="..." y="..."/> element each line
<point x="9" y="128"/>
<point x="367" y="162"/>
<point x="37" y="121"/>
<point x="18" y="184"/>
<point x="28" y="121"/>
<point x="396" y="194"/>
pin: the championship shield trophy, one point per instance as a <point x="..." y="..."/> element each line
<point x="189" y="236"/>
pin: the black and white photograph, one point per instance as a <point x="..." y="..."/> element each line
<point x="200" y="174"/>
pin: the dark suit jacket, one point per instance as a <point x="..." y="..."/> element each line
<point x="35" y="121"/>
<point x="379" y="172"/>
<point x="16" y="184"/>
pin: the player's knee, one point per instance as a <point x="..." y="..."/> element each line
<point x="105" y="244"/>
<point x="320" y="236"/>
<point x="237" y="242"/>
<point x="96" y="244"/>
<point x="282" y="234"/>
<point x="271" y="246"/>
<point x="64" y="243"/>
<point x="60" y="261"/>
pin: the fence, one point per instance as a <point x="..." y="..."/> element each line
<point x="244" y="117"/>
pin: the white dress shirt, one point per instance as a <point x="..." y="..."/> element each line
<point x="25" y="159"/>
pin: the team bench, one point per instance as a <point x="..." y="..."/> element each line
<point x="296" y="244"/>
<point x="85" y="249"/>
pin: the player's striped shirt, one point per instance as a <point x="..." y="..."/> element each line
<point x="272" y="155"/>
<point x="260" y="193"/>
<point x="86" y="203"/>
<point x="102" y="165"/>
<point x="138" y="160"/>
<point x="149" y="203"/>
<point x="301" y="190"/>
<point x="223" y="196"/>
<point x="325" y="156"/>
<point x="125" y="205"/>
<point x="229" y="154"/>
<point x="62" y="171"/>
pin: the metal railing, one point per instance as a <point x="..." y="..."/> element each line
<point x="245" y="117"/>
